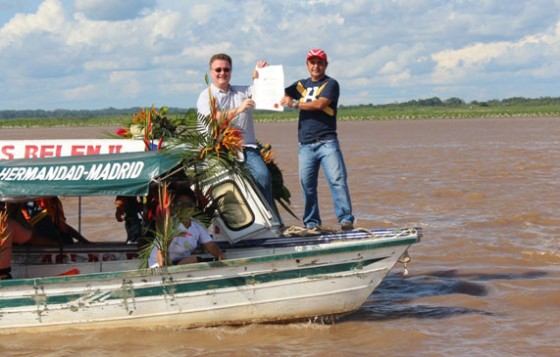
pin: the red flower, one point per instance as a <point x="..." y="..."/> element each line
<point x="124" y="133"/>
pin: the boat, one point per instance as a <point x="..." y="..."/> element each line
<point x="271" y="273"/>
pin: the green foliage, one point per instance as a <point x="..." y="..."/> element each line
<point x="116" y="120"/>
<point x="70" y="118"/>
<point x="453" y="108"/>
<point x="429" y="108"/>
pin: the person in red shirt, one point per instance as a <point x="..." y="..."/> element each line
<point x="14" y="229"/>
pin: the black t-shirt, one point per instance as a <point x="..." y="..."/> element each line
<point x="317" y="124"/>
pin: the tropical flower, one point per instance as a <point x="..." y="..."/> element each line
<point x="153" y="125"/>
<point x="166" y="227"/>
<point x="124" y="133"/>
<point x="266" y="153"/>
<point x="3" y="229"/>
<point x="205" y="153"/>
<point x="222" y="138"/>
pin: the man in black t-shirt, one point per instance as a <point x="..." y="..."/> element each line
<point x="317" y="99"/>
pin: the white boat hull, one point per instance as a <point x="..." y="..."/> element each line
<point x="285" y="282"/>
<point x="266" y="276"/>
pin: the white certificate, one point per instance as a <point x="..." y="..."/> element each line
<point x="268" y="88"/>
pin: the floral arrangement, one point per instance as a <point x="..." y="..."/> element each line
<point x="279" y="192"/>
<point x="215" y="149"/>
<point x="150" y="125"/>
<point x="166" y="224"/>
<point x="222" y="138"/>
<point x="267" y="153"/>
<point x="164" y="227"/>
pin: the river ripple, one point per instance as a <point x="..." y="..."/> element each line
<point x="484" y="280"/>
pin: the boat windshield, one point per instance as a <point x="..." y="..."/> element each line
<point x="232" y="206"/>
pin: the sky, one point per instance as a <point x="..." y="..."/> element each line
<point x="96" y="54"/>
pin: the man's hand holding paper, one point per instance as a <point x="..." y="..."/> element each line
<point x="268" y="88"/>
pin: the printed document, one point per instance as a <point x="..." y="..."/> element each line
<point x="268" y="89"/>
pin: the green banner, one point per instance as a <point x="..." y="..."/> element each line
<point x="127" y="174"/>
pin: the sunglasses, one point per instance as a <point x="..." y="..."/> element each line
<point x="219" y="70"/>
<point x="184" y="205"/>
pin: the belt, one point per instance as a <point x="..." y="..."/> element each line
<point x="317" y="140"/>
<point x="250" y="148"/>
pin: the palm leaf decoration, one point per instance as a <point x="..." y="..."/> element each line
<point x="167" y="223"/>
<point x="280" y="192"/>
<point x="208" y="146"/>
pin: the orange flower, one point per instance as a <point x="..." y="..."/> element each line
<point x="267" y="157"/>
<point x="267" y="153"/>
<point x="163" y="211"/>
<point x="223" y="137"/>
<point x="232" y="139"/>
<point x="3" y="228"/>
<point x="140" y="117"/>
<point x="151" y="124"/>
<point x="148" y="127"/>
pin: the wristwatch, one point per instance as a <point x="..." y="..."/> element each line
<point x="295" y="103"/>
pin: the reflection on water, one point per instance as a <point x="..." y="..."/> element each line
<point x="484" y="280"/>
<point x="395" y="297"/>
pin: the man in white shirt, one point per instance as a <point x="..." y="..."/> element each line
<point x="237" y="99"/>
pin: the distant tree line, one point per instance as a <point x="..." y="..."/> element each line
<point x="434" y="102"/>
<point x="458" y="102"/>
<point x="80" y="113"/>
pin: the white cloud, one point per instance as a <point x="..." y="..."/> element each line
<point x="398" y="78"/>
<point x="389" y="68"/>
<point x="111" y="10"/>
<point x="128" y="81"/>
<point x="48" y="19"/>
<point x="452" y="65"/>
<point x="126" y="53"/>
<point x="80" y="93"/>
<point x="200" y="13"/>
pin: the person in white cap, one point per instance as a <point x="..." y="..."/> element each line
<point x="316" y="98"/>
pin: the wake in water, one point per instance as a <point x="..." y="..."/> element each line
<point x="396" y="296"/>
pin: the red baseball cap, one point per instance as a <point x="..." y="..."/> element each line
<point x="317" y="52"/>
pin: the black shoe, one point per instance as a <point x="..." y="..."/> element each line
<point x="346" y="226"/>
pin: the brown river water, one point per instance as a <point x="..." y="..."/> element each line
<point x="484" y="281"/>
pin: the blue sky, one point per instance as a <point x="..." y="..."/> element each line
<point x="93" y="54"/>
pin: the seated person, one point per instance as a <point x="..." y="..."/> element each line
<point x="138" y="214"/>
<point x="192" y="234"/>
<point x="14" y="230"/>
<point x="129" y="209"/>
<point x="46" y="216"/>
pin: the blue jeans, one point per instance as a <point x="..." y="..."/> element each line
<point x="260" y="173"/>
<point x="325" y="153"/>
